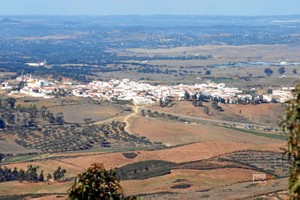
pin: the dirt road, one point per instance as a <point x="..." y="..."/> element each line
<point x="135" y="109"/>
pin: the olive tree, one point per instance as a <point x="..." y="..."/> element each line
<point x="97" y="183"/>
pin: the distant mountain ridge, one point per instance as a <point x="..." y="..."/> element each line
<point x="8" y="20"/>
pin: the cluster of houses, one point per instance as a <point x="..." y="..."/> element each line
<point x="140" y="92"/>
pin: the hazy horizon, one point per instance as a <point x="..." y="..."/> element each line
<point x="150" y="7"/>
<point x="147" y="15"/>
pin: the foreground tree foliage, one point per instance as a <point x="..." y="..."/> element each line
<point x="97" y="183"/>
<point x="291" y="126"/>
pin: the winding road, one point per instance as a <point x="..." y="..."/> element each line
<point x="135" y="109"/>
<point x="125" y="119"/>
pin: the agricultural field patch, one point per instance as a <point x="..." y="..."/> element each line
<point x="174" y="133"/>
<point x="198" y="180"/>
<point x="269" y="114"/>
<point x="17" y="188"/>
<point x="74" y="138"/>
<point x="78" y="113"/>
<point x="272" y="163"/>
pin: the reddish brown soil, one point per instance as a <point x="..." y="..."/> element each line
<point x="199" y="180"/>
<point x="174" y="133"/>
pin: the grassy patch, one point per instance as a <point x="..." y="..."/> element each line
<point x="15" y="159"/>
<point x="273" y="136"/>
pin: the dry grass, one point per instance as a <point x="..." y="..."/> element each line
<point x="16" y="188"/>
<point x="48" y="197"/>
<point x="199" y="180"/>
<point x="77" y="113"/>
<point x="39" y="102"/>
<point x="174" y="133"/>
<point x="12" y="148"/>
<point x="269" y="114"/>
<point x="266" y="52"/>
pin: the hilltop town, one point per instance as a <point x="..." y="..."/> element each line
<point x="141" y="92"/>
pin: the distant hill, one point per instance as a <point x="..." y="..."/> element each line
<point x="8" y="21"/>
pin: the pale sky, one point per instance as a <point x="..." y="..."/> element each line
<point x="149" y="7"/>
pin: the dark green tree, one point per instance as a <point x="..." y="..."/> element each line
<point x="294" y="71"/>
<point x="32" y="111"/>
<point x="15" y="173"/>
<point x="208" y="72"/>
<point x="11" y="102"/>
<point x="31" y="173"/>
<point x="51" y="118"/>
<point x="60" y="118"/>
<point x="21" y="85"/>
<point x="97" y="183"/>
<point x="59" y="174"/>
<point x="21" y="175"/>
<point x="11" y="118"/>
<point x="281" y="70"/>
<point x="268" y="71"/>
<point x="186" y="95"/>
<point x="2" y="123"/>
<point x="41" y="176"/>
<point x="44" y="112"/>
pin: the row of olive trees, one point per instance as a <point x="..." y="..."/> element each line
<point x="281" y="71"/>
<point x="30" y="174"/>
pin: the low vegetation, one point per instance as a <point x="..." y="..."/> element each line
<point x="30" y="175"/>
<point x="159" y="115"/>
<point x="145" y="169"/>
<point x="269" y="135"/>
